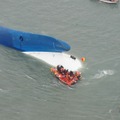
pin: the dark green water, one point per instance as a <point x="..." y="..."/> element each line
<point x="28" y="91"/>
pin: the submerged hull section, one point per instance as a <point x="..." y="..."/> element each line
<point x="29" y="42"/>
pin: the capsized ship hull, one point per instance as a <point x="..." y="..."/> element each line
<point x="29" y="42"/>
<point x="42" y="47"/>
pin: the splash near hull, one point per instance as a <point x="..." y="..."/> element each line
<point x="29" y="42"/>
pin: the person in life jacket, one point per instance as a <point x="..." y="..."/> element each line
<point x="78" y="74"/>
<point x="70" y="75"/>
<point x="59" y="67"/>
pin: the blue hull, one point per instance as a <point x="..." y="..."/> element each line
<point x="28" y="42"/>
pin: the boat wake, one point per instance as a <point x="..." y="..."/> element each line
<point x="103" y="73"/>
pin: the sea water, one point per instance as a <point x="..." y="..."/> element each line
<point x="29" y="91"/>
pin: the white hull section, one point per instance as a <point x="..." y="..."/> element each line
<point x="55" y="59"/>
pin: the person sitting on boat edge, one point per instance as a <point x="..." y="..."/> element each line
<point x="78" y="74"/>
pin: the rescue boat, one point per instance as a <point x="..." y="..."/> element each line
<point x="65" y="78"/>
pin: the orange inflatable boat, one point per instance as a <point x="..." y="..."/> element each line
<point x="66" y="77"/>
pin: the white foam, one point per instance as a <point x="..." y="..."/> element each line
<point x="103" y="73"/>
<point x="55" y="59"/>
